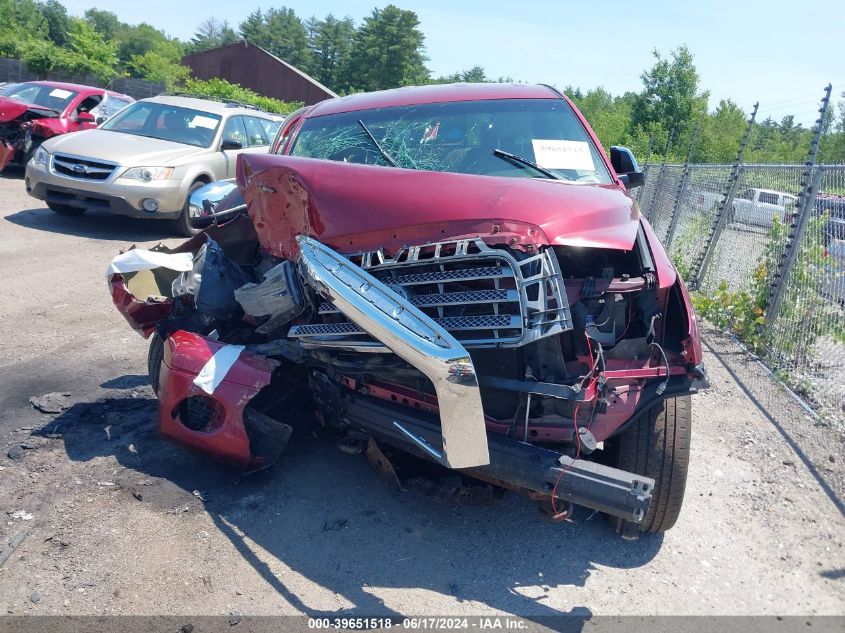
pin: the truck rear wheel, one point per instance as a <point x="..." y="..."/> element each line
<point x="657" y="445"/>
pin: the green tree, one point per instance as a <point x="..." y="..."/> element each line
<point x="609" y="117"/>
<point x="21" y="21"/>
<point x="41" y="55"/>
<point x="671" y="95"/>
<point x="720" y="134"/>
<point x="161" y="64"/>
<point x="832" y="146"/>
<point x="212" y="33"/>
<point x="137" y="39"/>
<point x="105" y="23"/>
<point x="331" y="43"/>
<point x="88" y="52"/>
<point x="387" y="51"/>
<point x="280" y="32"/>
<point x="57" y="19"/>
<point x="475" y="75"/>
<point x="448" y="79"/>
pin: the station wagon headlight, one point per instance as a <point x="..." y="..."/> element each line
<point x="146" y="174"/>
<point x="40" y="157"/>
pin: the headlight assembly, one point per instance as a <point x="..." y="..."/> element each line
<point x="40" y="157"/>
<point x="146" y="174"/>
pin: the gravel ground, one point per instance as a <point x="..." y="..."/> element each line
<point x="118" y="521"/>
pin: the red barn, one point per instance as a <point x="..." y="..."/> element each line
<point x="252" y="67"/>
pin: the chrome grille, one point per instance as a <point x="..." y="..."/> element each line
<point x="484" y="297"/>
<point x="82" y="168"/>
<point x="448" y="275"/>
<point x="450" y="323"/>
<point x="448" y="298"/>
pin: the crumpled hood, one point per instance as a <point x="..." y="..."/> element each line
<point x="116" y="147"/>
<point x="353" y="207"/>
<point x="11" y="109"/>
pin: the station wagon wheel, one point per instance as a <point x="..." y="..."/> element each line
<point x="183" y="222"/>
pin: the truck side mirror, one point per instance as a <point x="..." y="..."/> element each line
<point x="626" y="167"/>
<point x="215" y="203"/>
<point x="85" y="117"/>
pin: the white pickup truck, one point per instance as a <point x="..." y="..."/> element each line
<point x="760" y="206"/>
<point x="753" y="206"/>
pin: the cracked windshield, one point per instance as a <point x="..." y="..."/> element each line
<point x="461" y="137"/>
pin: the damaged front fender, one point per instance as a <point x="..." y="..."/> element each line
<point x="205" y="389"/>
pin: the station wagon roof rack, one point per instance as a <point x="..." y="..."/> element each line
<point x="229" y="103"/>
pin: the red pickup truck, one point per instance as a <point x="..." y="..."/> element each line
<point x="457" y="272"/>
<point x="34" y="111"/>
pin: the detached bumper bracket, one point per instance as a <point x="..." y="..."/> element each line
<point x="514" y="463"/>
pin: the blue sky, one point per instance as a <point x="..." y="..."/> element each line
<point x="780" y="53"/>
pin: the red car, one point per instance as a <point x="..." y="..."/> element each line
<point x="34" y="111"/>
<point x="457" y="271"/>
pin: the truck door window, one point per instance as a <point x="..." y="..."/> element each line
<point x="88" y="104"/>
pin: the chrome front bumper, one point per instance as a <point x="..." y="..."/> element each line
<point x="415" y="338"/>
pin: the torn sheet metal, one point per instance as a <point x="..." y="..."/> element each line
<point x="215" y="370"/>
<point x="278" y="296"/>
<point x="217" y="297"/>
<point x="137" y="259"/>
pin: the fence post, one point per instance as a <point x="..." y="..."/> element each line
<point x="702" y="263"/>
<point x="682" y="189"/>
<point x="659" y="181"/>
<point x="810" y="184"/>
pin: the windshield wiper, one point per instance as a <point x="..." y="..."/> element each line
<point x="380" y="149"/>
<point x="524" y="161"/>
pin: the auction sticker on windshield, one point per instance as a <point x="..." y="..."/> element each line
<point x="59" y="93"/>
<point x="204" y="121"/>
<point x="557" y="154"/>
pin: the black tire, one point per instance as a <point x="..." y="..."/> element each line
<point x="154" y="358"/>
<point x="33" y="147"/>
<point x="658" y="446"/>
<point x="65" y="209"/>
<point x="182" y="224"/>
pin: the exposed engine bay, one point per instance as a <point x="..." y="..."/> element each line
<point x="19" y="136"/>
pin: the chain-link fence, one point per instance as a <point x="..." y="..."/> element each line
<point x="730" y="230"/>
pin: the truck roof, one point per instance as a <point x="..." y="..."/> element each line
<point x="414" y="95"/>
